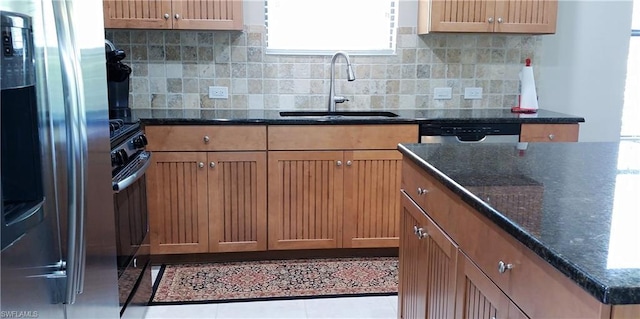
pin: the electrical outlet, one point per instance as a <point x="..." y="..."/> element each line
<point x="218" y="92"/>
<point x="442" y="93"/>
<point x="472" y="93"/>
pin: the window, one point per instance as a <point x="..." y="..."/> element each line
<point x="326" y="26"/>
<point x="631" y="108"/>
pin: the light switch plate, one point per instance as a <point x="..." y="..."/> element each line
<point x="218" y="92"/>
<point x="472" y="93"/>
<point x="442" y="93"/>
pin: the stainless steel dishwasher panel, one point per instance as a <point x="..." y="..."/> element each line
<point x="451" y="132"/>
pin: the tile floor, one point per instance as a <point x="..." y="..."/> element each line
<point x="349" y="307"/>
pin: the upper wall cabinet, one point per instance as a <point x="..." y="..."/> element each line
<point x="503" y="16"/>
<point x="173" y="14"/>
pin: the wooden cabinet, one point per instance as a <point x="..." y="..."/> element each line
<point x="371" y="198"/>
<point x="173" y="14"/>
<point x="305" y="199"/>
<point x="549" y="132"/>
<point x="177" y="203"/>
<point x="478" y="297"/>
<point x="332" y="199"/>
<point x="237" y="201"/>
<point x="428" y="260"/>
<point x="206" y="201"/>
<point x="504" y="16"/>
<point x="335" y="186"/>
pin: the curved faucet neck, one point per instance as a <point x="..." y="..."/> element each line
<point x="332" y="78"/>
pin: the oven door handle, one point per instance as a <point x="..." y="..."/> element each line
<point x="145" y="158"/>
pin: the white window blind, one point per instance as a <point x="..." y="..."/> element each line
<point x="326" y="26"/>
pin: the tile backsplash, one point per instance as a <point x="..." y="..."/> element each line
<point x="174" y="69"/>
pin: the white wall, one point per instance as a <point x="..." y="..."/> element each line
<point x="583" y="66"/>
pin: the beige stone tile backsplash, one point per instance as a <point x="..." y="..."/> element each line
<point x="173" y="69"/>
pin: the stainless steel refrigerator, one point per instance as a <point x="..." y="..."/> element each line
<point x="58" y="256"/>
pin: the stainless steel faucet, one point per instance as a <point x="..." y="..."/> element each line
<point x="333" y="99"/>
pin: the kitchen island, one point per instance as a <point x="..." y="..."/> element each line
<point x="550" y="230"/>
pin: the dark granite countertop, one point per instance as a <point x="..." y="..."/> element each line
<point x="234" y="116"/>
<point x="580" y="207"/>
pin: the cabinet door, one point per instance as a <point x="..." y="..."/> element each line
<point x="531" y="16"/>
<point x="478" y="297"/>
<point x="207" y="14"/>
<point x="305" y="199"/>
<point x="428" y="260"/>
<point x="457" y="15"/>
<point x="137" y="14"/>
<point x="549" y="132"/>
<point x="177" y="202"/>
<point x="237" y="201"/>
<point x="372" y="198"/>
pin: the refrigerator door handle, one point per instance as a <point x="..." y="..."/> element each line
<point x="77" y="147"/>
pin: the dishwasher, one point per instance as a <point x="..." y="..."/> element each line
<point x="465" y="132"/>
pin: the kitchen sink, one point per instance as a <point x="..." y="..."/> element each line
<point x="340" y="113"/>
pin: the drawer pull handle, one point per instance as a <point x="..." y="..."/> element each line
<point x="201" y="164"/>
<point x="503" y="267"/>
<point x="206" y="139"/>
<point x="551" y="136"/>
<point x="338" y="163"/>
<point x="212" y="164"/>
<point x="419" y="232"/>
<point x="422" y="191"/>
<point x="349" y="163"/>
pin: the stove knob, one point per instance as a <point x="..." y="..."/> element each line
<point x="140" y="141"/>
<point x="119" y="158"/>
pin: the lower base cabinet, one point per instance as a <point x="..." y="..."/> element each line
<point x="207" y="202"/>
<point x="437" y="280"/>
<point x="334" y="199"/>
<point x="478" y="297"/>
<point x="428" y="260"/>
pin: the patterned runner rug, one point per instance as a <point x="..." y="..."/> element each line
<point x="275" y="279"/>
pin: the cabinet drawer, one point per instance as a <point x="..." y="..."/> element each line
<point x="341" y="137"/>
<point x="487" y="246"/>
<point x="549" y="133"/>
<point x="429" y="195"/>
<point x="542" y="291"/>
<point x="206" y="138"/>
<point x="531" y="283"/>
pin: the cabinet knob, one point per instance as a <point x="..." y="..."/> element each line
<point x="338" y="163"/>
<point x="177" y="16"/>
<point x="166" y="16"/>
<point x="490" y="20"/>
<point x="551" y="136"/>
<point x="422" y="191"/>
<point x="503" y="267"/>
<point x="419" y="232"/>
<point x="349" y="163"/>
<point x="500" y="20"/>
<point x="201" y="164"/>
<point x="212" y="164"/>
<point x="206" y="139"/>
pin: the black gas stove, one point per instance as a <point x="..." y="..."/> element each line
<point x="128" y="156"/>
<point x="119" y="130"/>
